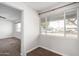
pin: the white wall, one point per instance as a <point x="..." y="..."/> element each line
<point x="17" y="35"/>
<point x="5" y="29"/>
<point x="30" y="27"/>
<point x="60" y="44"/>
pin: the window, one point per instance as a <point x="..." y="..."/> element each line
<point x="53" y="25"/>
<point x="18" y="27"/>
<point x="71" y="23"/>
<point x="61" y="24"/>
<point x="56" y="28"/>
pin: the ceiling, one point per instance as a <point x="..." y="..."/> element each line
<point x="9" y="13"/>
<point x="13" y="14"/>
<point x="45" y="6"/>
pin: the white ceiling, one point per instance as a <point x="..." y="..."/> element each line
<point x="13" y="14"/>
<point x="9" y="13"/>
<point x="44" y="6"/>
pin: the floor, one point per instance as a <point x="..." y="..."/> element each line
<point x="42" y="52"/>
<point x="10" y="46"/>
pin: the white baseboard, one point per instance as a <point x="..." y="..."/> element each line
<point x="31" y="49"/>
<point x="53" y="51"/>
<point x="47" y="49"/>
<point x="25" y="54"/>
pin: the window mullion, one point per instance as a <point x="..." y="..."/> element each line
<point x="64" y="24"/>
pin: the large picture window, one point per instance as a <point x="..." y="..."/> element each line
<point x="60" y="24"/>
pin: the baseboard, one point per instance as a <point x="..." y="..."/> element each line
<point x="53" y="51"/>
<point x="25" y="54"/>
<point x="31" y="49"/>
<point x="47" y="49"/>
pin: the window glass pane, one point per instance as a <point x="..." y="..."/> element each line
<point x="18" y="27"/>
<point x="56" y="25"/>
<point x="71" y="23"/>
